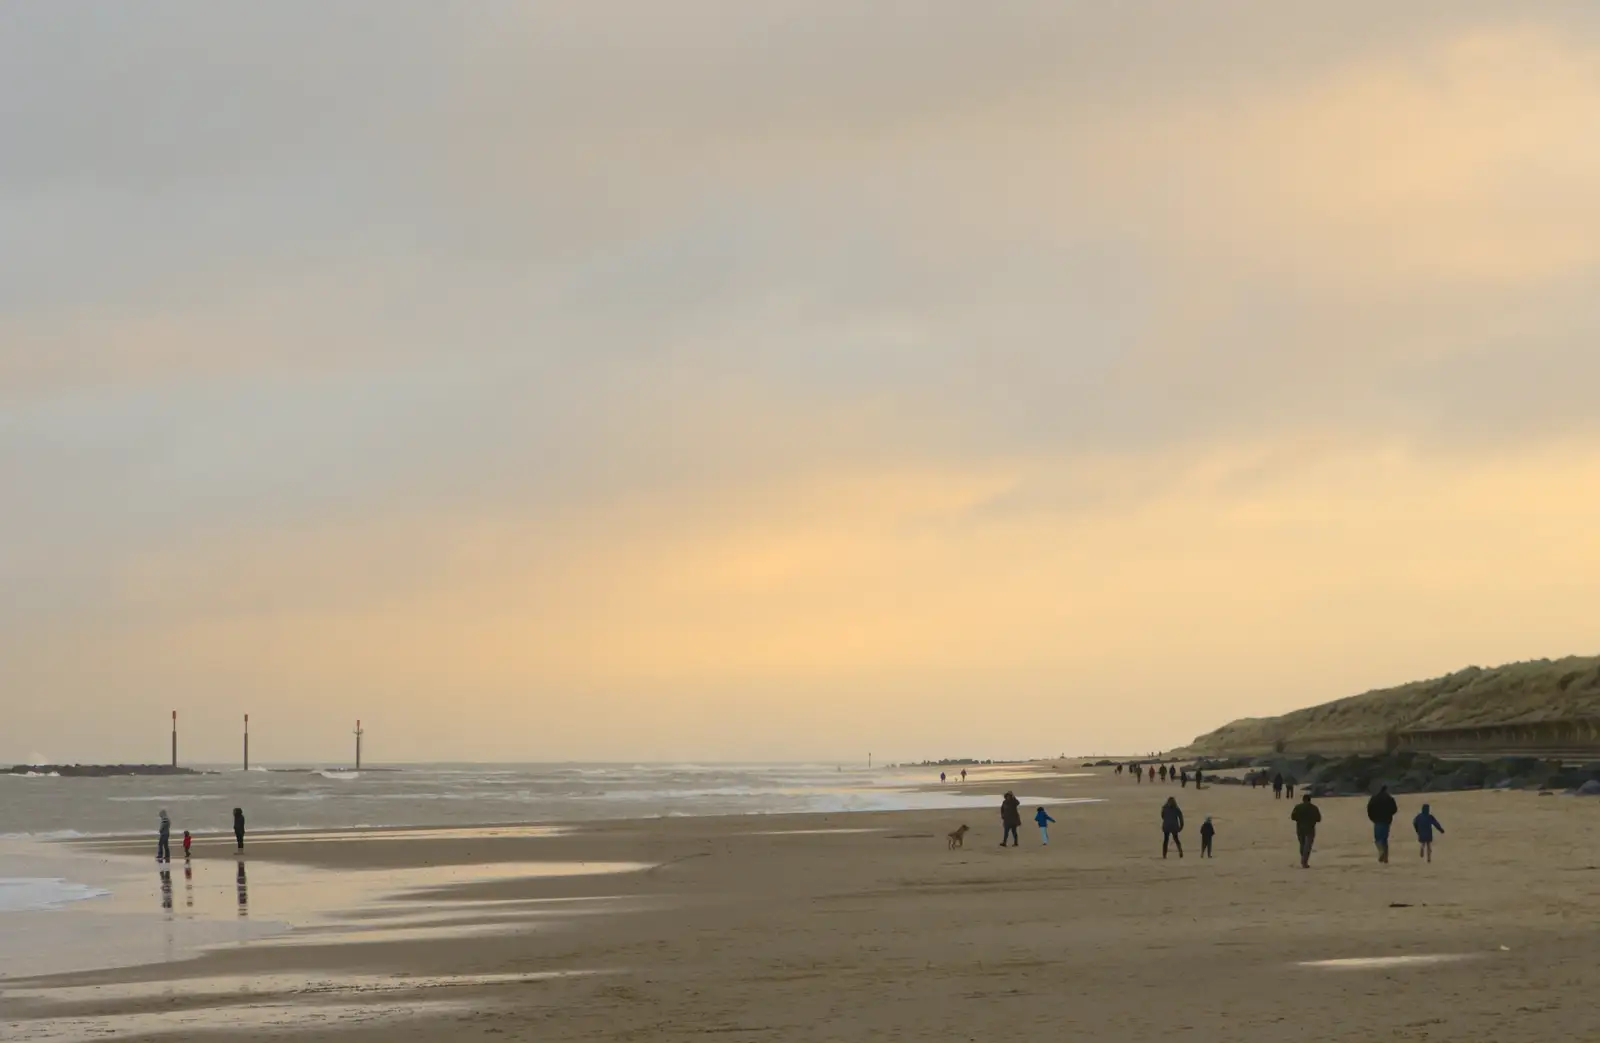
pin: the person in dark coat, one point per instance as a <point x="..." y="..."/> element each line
<point x="1382" y="809"/>
<point x="1171" y="826"/>
<point x="238" y="827"/>
<point x="1010" y="818"/>
<point x="1207" y="832"/>
<point x="1306" y="815"/>
<point x="1277" y="786"/>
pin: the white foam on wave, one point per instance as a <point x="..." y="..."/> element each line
<point x="18" y="894"/>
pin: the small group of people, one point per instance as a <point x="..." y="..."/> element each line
<point x="1011" y="821"/>
<point x="164" y="836"/>
<point x="1381" y="811"/>
<point x="963" y="776"/>
<point x="1282" y="785"/>
<point x="1172" y="830"/>
<point x="1173" y="773"/>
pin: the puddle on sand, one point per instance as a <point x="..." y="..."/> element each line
<point x="212" y="840"/>
<point x="1368" y="963"/>
<point x="257" y="1003"/>
<point x="809" y="832"/>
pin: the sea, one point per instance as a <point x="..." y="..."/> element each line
<point x="42" y="808"/>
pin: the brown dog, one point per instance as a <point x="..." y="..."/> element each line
<point x="957" y="838"/>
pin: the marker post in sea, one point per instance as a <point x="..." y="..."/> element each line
<point x="359" y="734"/>
<point x="174" y="738"/>
<point x="246" y="742"/>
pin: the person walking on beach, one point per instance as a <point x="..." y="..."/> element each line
<point x="1042" y="817"/>
<point x="963" y="775"/>
<point x="941" y="778"/>
<point x="1163" y="773"/>
<point x="1010" y="819"/>
<point x="1277" y="786"/>
<point x="1425" y="824"/>
<point x="1306" y="815"/>
<point x="1183" y="778"/>
<point x="1288" y="786"/>
<point x="1207" y="832"/>
<point x="186" y="841"/>
<point x="1382" y="809"/>
<point x="164" y="838"/>
<point x="1152" y="775"/>
<point x="238" y="827"/>
<point x="1171" y="826"/>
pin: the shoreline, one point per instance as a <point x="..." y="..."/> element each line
<point x="866" y="921"/>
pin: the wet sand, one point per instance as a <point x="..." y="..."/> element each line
<point x="863" y="926"/>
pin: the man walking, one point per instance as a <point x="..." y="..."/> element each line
<point x="1306" y="816"/>
<point x="1382" y="809"/>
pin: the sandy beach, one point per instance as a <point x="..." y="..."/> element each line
<point x="863" y="926"/>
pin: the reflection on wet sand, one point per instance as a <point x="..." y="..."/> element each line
<point x="166" y="890"/>
<point x="188" y="885"/>
<point x="243" y="887"/>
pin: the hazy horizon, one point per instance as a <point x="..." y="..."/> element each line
<point x="783" y="383"/>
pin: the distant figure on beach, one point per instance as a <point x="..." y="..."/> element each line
<point x="1152" y="775"/>
<point x="1277" y="786"/>
<point x="1197" y="778"/>
<point x="963" y="775"/>
<point x="1138" y="774"/>
<point x="164" y="838"/>
<point x="1042" y="817"/>
<point x="1288" y="786"/>
<point x="1183" y="778"/>
<point x="1425" y="824"/>
<point x="1163" y="773"/>
<point x="1382" y="809"/>
<point x="1306" y="815"/>
<point x="941" y="778"/>
<point x="1171" y="826"/>
<point x="1207" y="832"/>
<point x="1010" y="818"/>
<point x="1118" y="771"/>
<point x="186" y="841"/>
<point x="238" y="827"/>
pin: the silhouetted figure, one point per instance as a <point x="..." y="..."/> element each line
<point x="164" y="838"/>
<point x="1171" y="826"/>
<point x="1197" y="778"/>
<point x="1306" y="815"/>
<point x="1163" y="773"/>
<point x="1382" y="809"/>
<point x="1118" y="771"/>
<point x="941" y="778"/>
<point x="1183" y="779"/>
<point x="1207" y="832"/>
<point x="963" y="775"/>
<point x="1010" y="819"/>
<point x="1152" y="775"/>
<point x="1425" y="824"/>
<point x="1289" y="783"/>
<point x="1138" y="774"/>
<point x="1277" y="786"/>
<point x="238" y="827"/>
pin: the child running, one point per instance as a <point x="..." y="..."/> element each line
<point x="1425" y="824"/>
<point x="1042" y="817"/>
<point x="187" y="839"/>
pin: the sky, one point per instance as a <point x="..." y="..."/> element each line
<point x="729" y="381"/>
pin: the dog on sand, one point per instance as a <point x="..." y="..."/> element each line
<point x="957" y="838"/>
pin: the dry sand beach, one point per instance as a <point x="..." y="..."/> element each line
<point x="863" y="926"/>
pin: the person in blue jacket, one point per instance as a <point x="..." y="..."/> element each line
<point x="1425" y="824"/>
<point x="1042" y="817"/>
